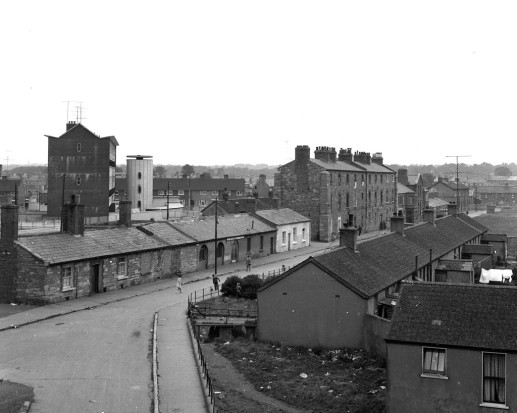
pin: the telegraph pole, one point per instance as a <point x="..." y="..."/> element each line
<point x="457" y="179"/>
<point x="168" y="190"/>
<point x="215" y="266"/>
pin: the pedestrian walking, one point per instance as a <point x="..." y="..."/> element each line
<point x="178" y="285"/>
<point x="248" y="263"/>
<point x="216" y="281"/>
<point x="238" y="289"/>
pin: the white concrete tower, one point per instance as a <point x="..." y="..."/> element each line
<point x="140" y="181"/>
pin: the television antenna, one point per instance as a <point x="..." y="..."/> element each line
<point x="457" y="178"/>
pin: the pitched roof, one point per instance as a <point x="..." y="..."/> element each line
<point x="403" y="189"/>
<point x="81" y="126"/>
<point x="379" y="263"/>
<point x="166" y="233"/>
<point x="59" y="248"/>
<point x="437" y="203"/>
<point x="459" y="315"/>
<point x="449" y="233"/>
<point x="282" y="216"/>
<point x="480" y="249"/>
<point x="455" y="265"/>
<point x="200" y="184"/>
<point x="228" y="226"/>
<point x="383" y="261"/>
<point x="494" y="237"/>
<point x="496" y="189"/>
<point x="337" y="166"/>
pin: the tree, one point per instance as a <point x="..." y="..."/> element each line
<point x="159" y="171"/>
<point x="188" y="170"/>
<point x="502" y="171"/>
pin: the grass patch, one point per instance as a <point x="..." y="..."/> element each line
<point x="13" y="395"/>
<point x="316" y="380"/>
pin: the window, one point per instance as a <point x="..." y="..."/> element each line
<point x="181" y="192"/>
<point x="161" y="192"/>
<point x="303" y="234"/>
<point x="78" y="147"/>
<point x="494" y="375"/>
<point x="202" y="202"/>
<point x="139" y="189"/>
<point x="347" y="178"/>
<point x="202" y="192"/>
<point x="78" y="180"/>
<point x="295" y="234"/>
<point x="433" y="361"/>
<point x="339" y="202"/>
<point x="239" y="193"/>
<point x="248" y="244"/>
<point x="261" y="243"/>
<point x="121" y="268"/>
<point x="66" y="279"/>
<point x="283" y="237"/>
<point x="347" y="200"/>
<point x="215" y="192"/>
<point x="139" y="175"/>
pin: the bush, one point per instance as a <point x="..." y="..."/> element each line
<point x="249" y="286"/>
<point x="229" y="287"/>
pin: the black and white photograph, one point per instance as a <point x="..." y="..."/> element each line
<point x="246" y="207"/>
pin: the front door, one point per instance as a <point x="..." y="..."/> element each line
<point x="289" y="242"/>
<point x="95" y="278"/>
<point x="235" y="251"/>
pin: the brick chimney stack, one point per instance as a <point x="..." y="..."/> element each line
<point x="430" y="216"/>
<point x="73" y="218"/>
<point x="452" y="209"/>
<point x="348" y="238"/>
<point x="397" y="224"/>
<point x="345" y="155"/>
<point x="402" y="177"/>
<point x="377" y="158"/>
<point x="325" y="153"/>
<point x="70" y="125"/>
<point x="124" y="213"/>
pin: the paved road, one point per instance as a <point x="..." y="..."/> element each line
<point x="99" y="360"/>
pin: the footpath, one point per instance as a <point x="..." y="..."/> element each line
<point x="178" y="382"/>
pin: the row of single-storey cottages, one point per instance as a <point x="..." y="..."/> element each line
<point x="77" y="262"/>
<point x="345" y="298"/>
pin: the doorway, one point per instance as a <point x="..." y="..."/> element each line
<point x="289" y="242"/>
<point x="96" y="275"/>
<point x="235" y="251"/>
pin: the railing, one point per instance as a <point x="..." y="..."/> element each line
<point x="204" y="294"/>
<point x="204" y="311"/>
<point x="206" y="375"/>
<point x="275" y="273"/>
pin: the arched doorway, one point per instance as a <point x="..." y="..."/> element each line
<point x="235" y="251"/>
<point x="203" y="257"/>
<point x="220" y="254"/>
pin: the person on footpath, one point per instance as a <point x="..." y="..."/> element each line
<point x="178" y="285"/>
<point x="248" y="263"/>
<point x="216" y="281"/>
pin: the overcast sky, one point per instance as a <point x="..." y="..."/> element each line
<point x="227" y="82"/>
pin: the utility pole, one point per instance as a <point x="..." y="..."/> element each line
<point x="168" y="190"/>
<point x="215" y="266"/>
<point x="458" y="210"/>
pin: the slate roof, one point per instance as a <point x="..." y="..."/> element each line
<point x="472" y="222"/>
<point x="167" y="233"/>
<point x="59" y="248"/>
<point x="481" y="249"/>
<point x="455" y="265"/>
<point x="229" y="226"/>
<point x="437" y="203"/>
<point x="456" y="315"/>
<point x="383" y="261"/>
<point x="496" y="189"/>
<point x="337" y="166"/>
<point x="379" y="263"/>
<point x="282" y="216"/>
<point x="494" y="237"/>
<point x="80" y="125"/>
<point x="449" y="233"/>
<point x="403" y="189"/>
<point x="200" y="184"/>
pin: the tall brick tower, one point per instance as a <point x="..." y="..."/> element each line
<point x="82" y="164"/>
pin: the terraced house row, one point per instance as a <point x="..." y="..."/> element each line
<point x="76" y="262"/>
